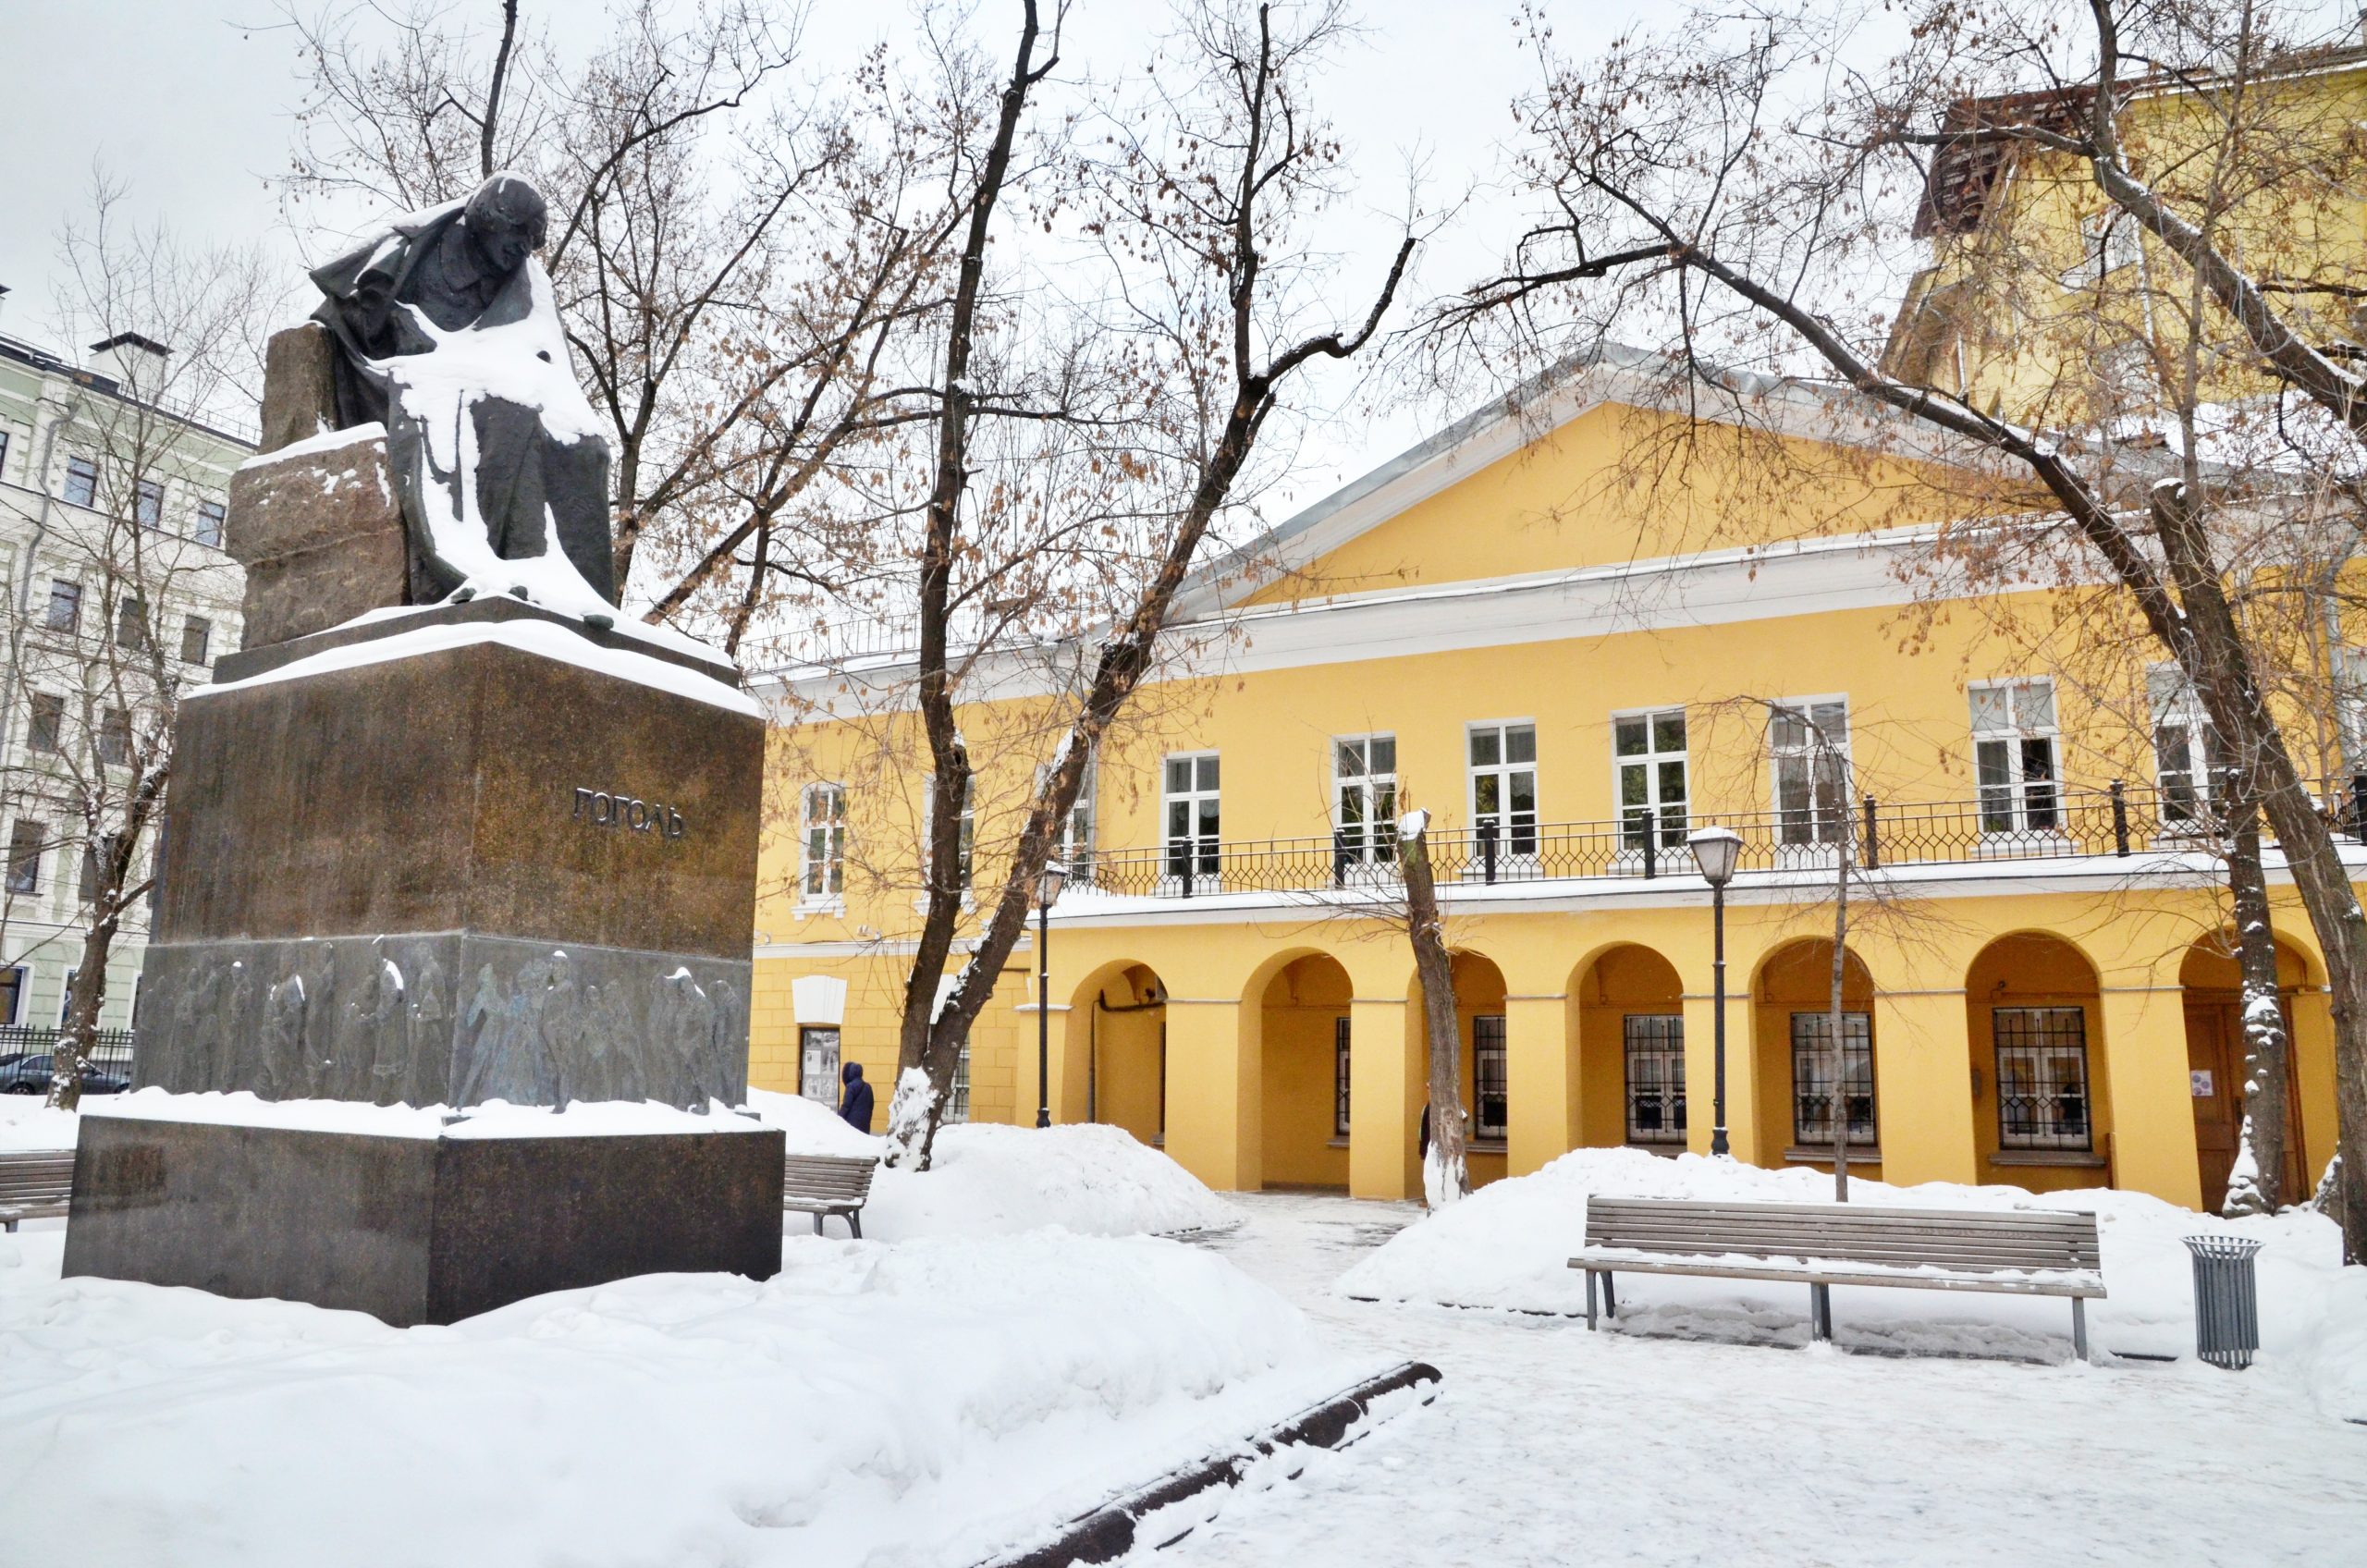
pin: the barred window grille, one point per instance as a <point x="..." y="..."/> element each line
<point x="1655" y="1078"/>
<point x="1812" y="1077"/>
<point x="957" y="1107"/>
<point x="1490" y="1075"/>
<point x="2042" y="1078"/>
<point x="1340" y="1077"/>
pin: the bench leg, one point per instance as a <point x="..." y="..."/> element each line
<point x="817" y="1224"/>
<point x="8" y="1224"/>
<point x="854" y="1223"/>
<point x="2080" y="1327"/>
<point x="1820" y="1312"/>
<point x="1609" y="1297"/>
<point x="1589" y="1273"/>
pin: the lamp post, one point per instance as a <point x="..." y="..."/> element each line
<point x="1047" y="890"/>
<point x="1715" y="850"/>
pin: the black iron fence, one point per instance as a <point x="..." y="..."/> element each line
<point x="110" y="1052"/>
<point x="2027" y="822"/>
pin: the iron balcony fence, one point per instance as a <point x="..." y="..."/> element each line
<point x="2031" y="821"/>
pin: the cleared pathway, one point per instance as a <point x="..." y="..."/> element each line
<point x="1554" y="1446"/>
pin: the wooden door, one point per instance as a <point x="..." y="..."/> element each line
<point x="2216" y="1061"/>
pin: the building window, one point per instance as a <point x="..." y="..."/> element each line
<point x="12" y="996"/>
<point x="66" y="1001"/>
<point x="148" y="503"/>
<point x="1072" y="843"/>
<point x="2186" y="747"/>
<point x="1340" y="1077"/>
<point x="2107" y="243"/>
<point x="822" y="837"/>
<point x="1189" y="819"/>
<point x="1503" y="787"/>
<point x="93" y="854"/>
<point x="1649" y="751"/>
<point x="114" y="737"/>
<point x="2042" y="1078"/>
<point x="24" y="857"/>
<point x="82" y="482"/>
<point x="4" y="466"/>
<point x="197" y="640"/>
<point x="965" y="832"/>
<point x="131" y="626"/>
<point x="211" y="515"/>
<point x="957" y="1104"/>
<point x="2014" y="758"/>
<point x="1655" y="1052"/>
<point x="1812" y="1077"/>
<point x="1490" y="1076"/>
<point x="47" y="730"/>
<point x="65" y="608"/>
<point x="818" y="1063"/>
<point x="1810" y="744"/>
<point x="1364" y="784"/>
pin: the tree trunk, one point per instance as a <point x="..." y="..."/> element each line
<point x="78" y="1036"/>
<point x="2256" y="1184"/>
<point x="1445" y="1175"/>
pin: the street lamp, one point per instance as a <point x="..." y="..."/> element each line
<point x="1715" y="850"/>
<point x="1047" y="892"/>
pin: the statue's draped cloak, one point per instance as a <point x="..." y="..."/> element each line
<point x="480" y="449"/>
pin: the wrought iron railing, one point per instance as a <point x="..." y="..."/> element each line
<point x="110" y="1050"/>
<point x="2031" y="823"/>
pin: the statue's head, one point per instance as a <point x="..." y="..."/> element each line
<point x="505" y="220"/>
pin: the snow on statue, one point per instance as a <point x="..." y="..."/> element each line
<point x="449" y="336"/>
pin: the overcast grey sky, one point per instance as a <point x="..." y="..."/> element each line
<point x="191" y="101"/>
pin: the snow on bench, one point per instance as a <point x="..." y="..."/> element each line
<point x="35" y="1186"/>
<point x="824" y="1184"/>
<point x="2019" y="1252"/>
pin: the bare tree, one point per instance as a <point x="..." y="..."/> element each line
<point x="1446" y="1178"/>
<point x="1200" y="206"/>
<point x="98" y="674"/>
<point x="1729" y="189"/>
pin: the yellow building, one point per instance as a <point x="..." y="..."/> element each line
<point x="1571" y="666"/>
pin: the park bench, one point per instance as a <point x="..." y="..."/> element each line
<point x="34" y="1187"/>
<point x="2013" y="1252"/>
<point x="824" y="1184"/>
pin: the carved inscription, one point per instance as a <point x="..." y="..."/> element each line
<point x="602" y="809"/>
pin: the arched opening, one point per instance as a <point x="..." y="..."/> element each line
<point x="1114" y="1069"/>
<point x="1630" y="1066"/>
<point x="2213" y="984"/>
<point x="2041" y="1111"/>
<point x="1302" y="1075"/>
<point x="1793" y="1052"/>
<point x="1486" y="1064"/>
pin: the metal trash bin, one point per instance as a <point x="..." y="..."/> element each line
<point x="2227" y="1300"/>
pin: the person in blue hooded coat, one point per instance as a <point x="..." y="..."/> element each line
<point x="854" y="1100"/>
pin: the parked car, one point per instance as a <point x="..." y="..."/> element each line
<point x="30" y="1075"/>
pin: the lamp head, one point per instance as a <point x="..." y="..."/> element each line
<point x="1716" y="851"/>
<point x="1049" y="882"/>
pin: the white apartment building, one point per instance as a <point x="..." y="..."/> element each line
<point x="72" y="593"/>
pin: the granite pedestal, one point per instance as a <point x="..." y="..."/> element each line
<point x="417" y="1229"/>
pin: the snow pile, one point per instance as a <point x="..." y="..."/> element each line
<point x="1508" y="1246"/>
<point x="26" y="1123"/>
<point x="989" y="1179"/>
<point x="932" y="1403"/>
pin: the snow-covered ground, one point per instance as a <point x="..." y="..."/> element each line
<point x="1550" y="1446"/>
<point x="1509" y="1244"/>
<point x="990" y="1180"/>
<point x="927" y="1403"/>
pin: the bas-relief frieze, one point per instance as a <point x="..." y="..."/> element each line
<point x="448" y="1018"/>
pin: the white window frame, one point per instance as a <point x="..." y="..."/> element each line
<point x="1650" y="761"/>
<point x="2182" y="795"/>
<point x="1364" y="849"/>
<point x="828" y="897"/>
<point x="1516" y="843"/>
<point x="2107" y="242"/>
<point x="2014" y="800"/>
<point x="1204" y="849"/>
<point x="1819" y="837"/>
